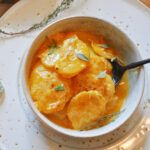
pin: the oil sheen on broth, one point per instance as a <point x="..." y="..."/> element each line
<point x="71" y="80"/>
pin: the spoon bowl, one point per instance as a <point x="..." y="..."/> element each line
<point x="119" y="70"/>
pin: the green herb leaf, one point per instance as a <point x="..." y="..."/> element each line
<point x="51" y="51"/>
<point x="102" y="75"/>
<point x="82" y="56"/>
<point x="59" y="88"/>
<point x="52" y="48"/>
<point x="109" y="116"/>
<point x="53" y="45"/>
<point x="103" y="45"/>
<point x="105" y="118"/>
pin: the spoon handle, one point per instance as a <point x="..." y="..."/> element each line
<point x="136" y="64"/>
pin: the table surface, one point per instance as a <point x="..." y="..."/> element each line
<point x="15" y="130"/>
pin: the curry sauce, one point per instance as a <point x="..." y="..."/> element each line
<point x="71" y="80"/>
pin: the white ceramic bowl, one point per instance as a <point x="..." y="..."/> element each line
<point x="118" y="40"/>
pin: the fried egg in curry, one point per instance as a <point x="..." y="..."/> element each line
<point x="71" y="80"/>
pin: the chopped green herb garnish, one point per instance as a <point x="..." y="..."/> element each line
<point x="103" y="45"/>
<point x="52" y="48"/>
<point x="82" y="56"/>
<point x="104" y="118"/>
<point x="53" y="44"/>
<point x="51" y="51"/>
<point x="102" y="74"/>
<point x="109" y="116"/>
<point x="59" y="88"/>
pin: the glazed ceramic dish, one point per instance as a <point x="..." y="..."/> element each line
<point x="119" y="41"/>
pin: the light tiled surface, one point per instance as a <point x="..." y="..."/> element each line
<point x="15" y="130"/>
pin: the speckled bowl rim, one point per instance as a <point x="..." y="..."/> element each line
<point x="69" y="132"/>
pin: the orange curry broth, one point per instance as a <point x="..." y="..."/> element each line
<point x="121" y="92"/>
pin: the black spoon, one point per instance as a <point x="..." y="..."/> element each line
<point x="118" y="69"/>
